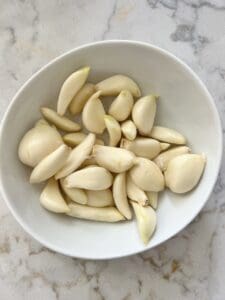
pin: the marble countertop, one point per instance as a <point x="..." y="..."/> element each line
<point x="189" y="266"/>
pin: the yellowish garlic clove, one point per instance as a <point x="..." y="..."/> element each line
<point x="102" y="198"/>
<point x="122" y="106"/>
<point x="135" y="193"/>
<point x="88" y="162"/>
<point x="167" y="135"/>
<point x="120" y="195"/>
<point x="184" y="172"/>
<point x="164" y="146"/>
<point x="152" y="199"/>
<point x="129" y="130"/>
<point x="143" y="114"/>
<point x="74" y="194"/>
<point x="51" y="198"/>
<point x="74" y="139"/>
<point x="112" y="86"/>
<point x="114" y="130"/>
<point x="70" y="88"/>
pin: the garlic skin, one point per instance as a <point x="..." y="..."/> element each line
<point x="122" y="106"/>
<point x="112" y="86"/>
<point x="114" y="159"/>
<point x="129" y="130"/>
<point x="120" y="195"/>
<point x="147" y="175"/>
<point x="146" y="221"/>
<point x="74" y="139"/>
<point x="79" y="100"/>
<point x="70" y="88"/>
<point x="74" y="194"/>
<point x="167" y="135"/>
<point x="37" y="143"/>
<point x="114" y="130"/>
<point x="51" y="198"/>
<point x="102" y="214"/>
<point x="153" y="199"/>
<point x="135" y="193"/>
<point x="184" y="172"/>
<point x="163" y="159"/>
<point x="93" y="114"/>
<point x="90" y="178"/>
<point x="101" y="198"/>
<point x="143" y="114"/>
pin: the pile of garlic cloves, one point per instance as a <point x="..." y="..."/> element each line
<point x="91" y="179"/>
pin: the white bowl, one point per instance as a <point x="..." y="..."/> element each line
<point x="184" y="104"/>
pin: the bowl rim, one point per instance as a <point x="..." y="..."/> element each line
<point x="164" y="52"/>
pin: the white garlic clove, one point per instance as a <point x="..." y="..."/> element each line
<point x="146" y="221"/>
<point x="51" y="198"/>
<point x="143" y="114"/>
<point x="114" y="159"/>
<point x="89" y="162"/>
<point x="90" y="178"/>
<point x="70" y="88"/>
<point x="60" y="122"/>
<point x="74" y="194"/>
<point x="167" y="135"/>
<point x="147" y="175"/>
<point x="122" y="106"/>
<point x="112" y="86"/>
<point x="114" y="130"/>
<point x="102" y="198"/>
<point x="135" y="193"/>
<point x="129" y="130"/>
<point x="93" y="114"/>
<point x="152" y="199"/>
<point x="184" y="172"/>
<point x="77" y="156"/>
<point x="79" y="100"/>
<point x="74" y="139"/>
<point x="164" y="146"/>
<point x="163" y="159"/>
<point x="102" y="214"/>
<point x="120" y="195"/>
<point x="50" y="165"/>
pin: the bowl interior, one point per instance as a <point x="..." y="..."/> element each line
<point x="184" y="105"/>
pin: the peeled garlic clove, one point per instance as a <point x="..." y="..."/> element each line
<point x="143" y="114"/>
<point x="167" y="135"/>
<point x="112" y="86"/>
<point x="120" y="195"/>
<point x="91" y="178"/>
<point x="147" y="175"/>
<point x="79" y="100"/>
<point x="100" y="198"/>
<point x="164" y="146"/>
<point x="129" y="130"/>
<point x="93" y="114"/>
<point x="143" y="147"/>
<point x="114" y="130"/>
<point x="74" y="139"/>
<point x="70" y="88"/>
<point x="103" y="214"/>
<point x="152" y="199"/>
<point x="51" y="198"/>
<point x="184" y="172"/>
<point x="121" y="107"/>
<point x="146" y="221"/>
<point x="114" y="159"/>
<point x="60" y="122"/>
<point x="135" y="193"/>
<point x="89" y="162"/>
<point x="74" y="194"/>
<point x="50" y="165"/>
<point x="163" y="159"/>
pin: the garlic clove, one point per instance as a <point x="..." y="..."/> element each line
<point x="147" y="175"/>
<point x="70" y="88"/>
<point x="146" y="221"/>
<point x="93" y="114"/>
<point x="129" y="130"/>
<point x="114" y="159"/>
<point x="143" y="114"/>
<point x="152" y="199"/>
<point x="167" y="135"/>
<point x="120" y="195"/>
<point x="88" y="162"/>
<point x="41" y="122"/>
<point x="74" y="139"/>
<point x="79" y="100"/>
<point x="50" y="165"/>
<point x="77" y="156"/>
<point x="135" y="193"/>
<point x="122" y="106"/>
<point x="51" y="198"/>
<point x="163" y="159"/>
<point x="91" y="178"/>
<point x="102" y="214"/>
<point x="102" y="198"/>
<point x="74" y="194"/>
<point x="114" y="130"/>
<point x="112" y="86"/>
<point x="60" y="122"/>
<point x="164" y="146"/>
<point x="184" y="172"/>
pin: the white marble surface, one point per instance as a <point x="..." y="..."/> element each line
<point x="189" y="266"/>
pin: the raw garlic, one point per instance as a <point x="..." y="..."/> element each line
<point x="122" y="106"/>
<point x="167" y="135"/>
<point x="74" y="139"/>
<point x="135" y="193"/>
<point x="129" y="130"/>
<point x="74" y="194"/>
<point x="152" y="199"/>
<point x="101" y="198"/>
<point x="114" y="130"/>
